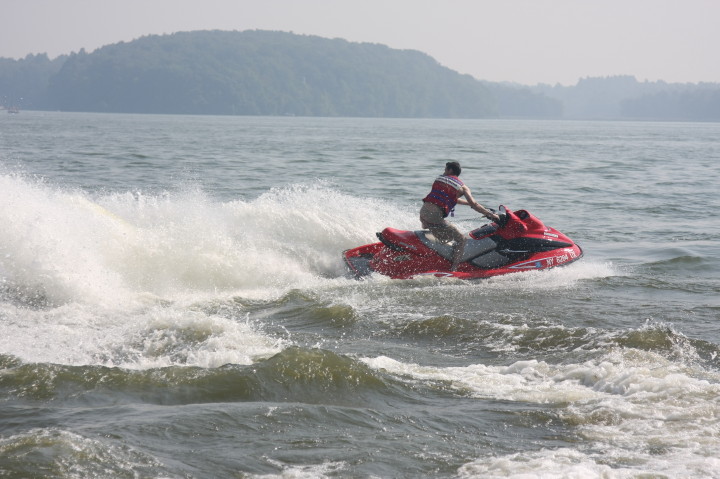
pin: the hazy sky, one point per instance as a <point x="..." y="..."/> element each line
<point x="525" y="41"/>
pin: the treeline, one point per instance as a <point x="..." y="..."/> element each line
<point x="277" y="73"/>
<point x="258" y="73"/>
<point x="24" y="83"/>
<point x="264" y="73"/>
<point x="624" y="97"/>
<point x="701" y="103"/>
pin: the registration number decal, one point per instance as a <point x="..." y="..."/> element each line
<point x="568" y="255"/>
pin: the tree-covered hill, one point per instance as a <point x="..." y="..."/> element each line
<point x="264" y="73"/>
<point x="23" y="83"/>
<point x="278" y="73"/>
<point x="268" y="73"/>
<point x="624" y="97"/>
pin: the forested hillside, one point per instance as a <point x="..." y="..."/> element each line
<point x="694" y="103"/>
<point x="266" y="73"/>
<point x="23" y="83"/>
<point x="624" y="97"/>
<point x="278" y="73"/>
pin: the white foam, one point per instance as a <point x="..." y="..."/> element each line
<point x="627" y="404"/>
<point x="574" y="464"/>
<point x="53" y="245"/>
<point x="156" y="336"/>
<point x="568" y="276"/>
<point x="72" y="247"/>
<point x="311" y="471"/>
<point x="112" y="279"/>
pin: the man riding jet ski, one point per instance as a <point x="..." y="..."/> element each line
<point x="518" y="241"/>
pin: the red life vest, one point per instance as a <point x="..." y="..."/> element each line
<point x="445" y="192"/>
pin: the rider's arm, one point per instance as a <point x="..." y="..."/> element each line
<point x="470" y="201"/>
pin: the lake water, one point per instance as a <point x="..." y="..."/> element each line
<point x="173" y="302"/>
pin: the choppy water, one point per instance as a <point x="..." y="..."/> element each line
<point x="173" y="303"/>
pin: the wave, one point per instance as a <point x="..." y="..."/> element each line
<point x="55" y="452"/>
<point x="213" y="360"/>
<point x="137" y="338"/>
<point x="302" y="375"/>
<point x="653" y="413"/>
<point x="507" y="335"/>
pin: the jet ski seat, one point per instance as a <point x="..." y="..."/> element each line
<point x="473" y="247"/>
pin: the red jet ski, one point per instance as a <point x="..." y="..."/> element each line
<point x="519" y="241"/>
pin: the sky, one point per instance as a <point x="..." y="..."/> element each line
<point x="521" y="41"/>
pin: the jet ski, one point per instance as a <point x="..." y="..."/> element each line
<point x="518" y="242"/>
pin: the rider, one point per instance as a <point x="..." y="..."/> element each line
<point x="447" y="191"/>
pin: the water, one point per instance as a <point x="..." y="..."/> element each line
<point x="173" y="303"/>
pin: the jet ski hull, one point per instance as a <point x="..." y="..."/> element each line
<point x="519" y="242"/>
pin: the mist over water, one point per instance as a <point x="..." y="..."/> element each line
<point x="173" y="302"/>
